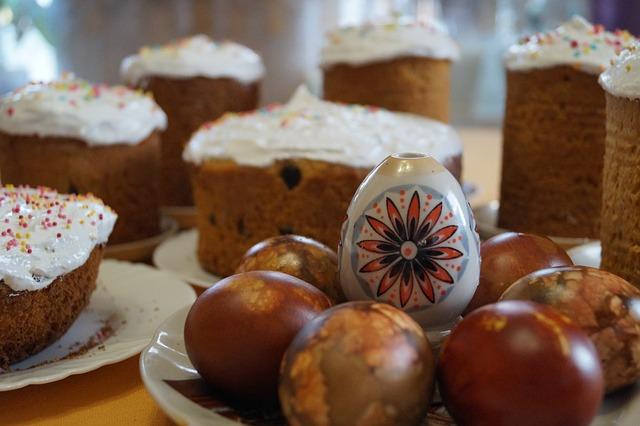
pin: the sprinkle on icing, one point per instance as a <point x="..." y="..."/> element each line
<point x="307" y="127"/>
<point x="194" y="56"/>
<point x="70" y="107"/>
<point x="622" y="78"/>
<point x="44" y="234"/>
<point x="576" y="42"/>
<point x="372" y="42"/>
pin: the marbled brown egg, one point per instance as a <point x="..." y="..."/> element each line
<point x="600" y="303"/>
<point x="510" y="256"/>
<point x="520" y="363"/>
<point x="360" y="363"/>
<point x="238" y="330"/>
<point x="301" y="257"/>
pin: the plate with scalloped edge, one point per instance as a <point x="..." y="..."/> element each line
<point x="178" y="389"/>
<point x="177" y="255"/>
<point x="129" y="303"/>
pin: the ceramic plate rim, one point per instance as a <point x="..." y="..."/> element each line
<point x="185" y="234"/>
<point x="164" y="396"/>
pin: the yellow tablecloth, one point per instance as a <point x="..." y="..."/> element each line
<point x="114" y="395"/>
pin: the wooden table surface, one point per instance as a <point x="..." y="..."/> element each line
<point x="114" y="394"/>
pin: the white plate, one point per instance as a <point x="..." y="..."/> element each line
<point x="178" y="256"/>
<point x="487" y="219"/>
<point x="128" y="305"/>
<point x="165" y="361"/>
<point x="141" y="250"/>
<point x="586" y="254"/>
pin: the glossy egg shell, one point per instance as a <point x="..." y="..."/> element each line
<point x="520" y="363"/>
<point x="302" y="257"/>
<point x="359" y="363"/>
<point x="601" y="304"/>
<point x="409" y="240"/>
<point x="237" y="331"/>
<point x="510" y="256"/>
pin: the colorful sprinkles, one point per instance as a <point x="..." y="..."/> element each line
<point x="595" y="38"/>
<point x="287" y="118"/>
<point x="338" y="36"/>
<point x="28" y="212"/>
<point x="74" y="92"/>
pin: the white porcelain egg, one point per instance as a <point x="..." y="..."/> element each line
<point x="409" y="240"/>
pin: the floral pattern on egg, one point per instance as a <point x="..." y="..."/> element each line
<point x="408" y="250"/>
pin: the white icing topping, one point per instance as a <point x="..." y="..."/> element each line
<point x="576" y="43"/>
<point x="385" y="41"/>
<point x="194" y="56"/>
<point x="95" y="113"/>
<point x="308" y="127"/>
<point x="622" y="78"/>
<point x="44" y="234"/>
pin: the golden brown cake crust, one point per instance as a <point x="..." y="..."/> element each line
<point x="32" y="320"/>
<point x="410" y="84"/>
<point x="123" y="176"/>
<point x="189" y="103"/>
<point x="238" y="206"/>
<point x="553" y="132"/>
<point x="620" y="233"/>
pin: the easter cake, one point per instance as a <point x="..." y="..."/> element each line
<point x="293" y="169"/>
<point x="554" y="130"/>
<point x="620" y="232"/>
<point x="398" y="65"/>
<point x="194" y="80"/>
<point x="52" y="245"/>
<point x="78" y="137"/>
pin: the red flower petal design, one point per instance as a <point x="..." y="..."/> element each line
<point x="382" y="229"/>
<point x="441" y="235"/>
<point x="389" y="278"/>
<point x="428" y="223"/>
<point x="424" y="282"/>
<point x="406" y="284"/>
<point x="375" y="246"/>
<point x="396" y="220"/>
<point x="379" y="263"/>
<point x="434" y="269"/>
<point x="443" y="253"/>
<point x="413" y="214"/>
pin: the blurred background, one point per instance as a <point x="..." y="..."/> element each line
<point x="39" y="39"/>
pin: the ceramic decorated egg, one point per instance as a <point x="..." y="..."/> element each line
<point x="409" y="240"/>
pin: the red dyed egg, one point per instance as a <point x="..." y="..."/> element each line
<point x="360" y="363"/>
<point x="601" y="304"/>
<point x="510" y="256"/>
<point x="520" y="363"/>
<point x="238" y="330"/>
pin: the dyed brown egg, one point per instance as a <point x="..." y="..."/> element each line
<point x="360" y="363"/>
<point x="302" y="257"/>
<point x="238" y="330"/>
<point x="520" y="363"/>
<point x="602" y="304"/>
<point x="510" y="256"/>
